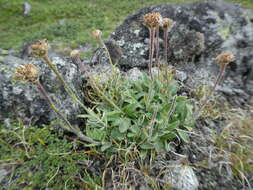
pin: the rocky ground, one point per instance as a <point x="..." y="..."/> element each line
<point x="200" y="32"/>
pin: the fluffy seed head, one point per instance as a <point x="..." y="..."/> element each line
<point x="27" y="73"/>
<point x="167" y="22"/>
<point x="75" y="53"/>
<point x="39" y="48"/>
<point x="96" y="34"/>
<point x="225" y="58"/>
<point x="153" y="20"/>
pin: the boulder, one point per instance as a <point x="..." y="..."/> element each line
<point x="22" y="100"/>
<point x="181" y="177"/>
<point x="200" y="32"/>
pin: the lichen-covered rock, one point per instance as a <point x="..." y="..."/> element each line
<point x="201" y="31"/>
<point x="134" y="74"/>
<point x="101" y="73"/>
<point x="182" y="178"/>
<point x="22" y="100"/>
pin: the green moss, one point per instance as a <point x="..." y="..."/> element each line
<point x="79" y="17"/>
<point x="41" y="158"/>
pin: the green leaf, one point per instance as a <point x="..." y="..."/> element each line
<point x="117" y="135"/>
<point x="181" y="110"/>
<point x="84" y="116"/>
<point x="105" y="146"/>
<point x="150" y="97"/>
<point x="159" y="146"/>
<point x="113" y="115"/>
<point x="172" y="126"/>
<point x="165" y="108"/>
<point x="168" y="137"/>
<point x="173" y="89"/>
<point x="143" y="154"/>
<point x="183" y="135"/>
<point x="124" y="124"/>
<point x="130" y="135"/>
<point x="167" y="147"/>
<point x="180" y="98"/>
<point x="189" y="128"/>
<point x="130" y="109"/>
<point x="135" y="129"/>
<point x="139" y="95"/>
<point x="147" y="146"/>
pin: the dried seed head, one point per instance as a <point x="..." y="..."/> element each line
<point x="96" y="34"/>
<point x="225" y="58"/>
<point x="27" y="73"/>
<point x="39" y="48"/>
<point x="75" y="53"/>
<point x="152" y="20"/>
<point x="167" y="22"/>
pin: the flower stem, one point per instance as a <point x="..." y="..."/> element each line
<point x="69" y="127"/>
<point x="107" y="51"/>
<point x="157" y="50"/>
<point x="217" y="81"/>
<point x="165" y="40"/>
<point x="67" y="88"/>
<point x="102" y="95"/>
<point x="150" y="49"/>
<point x="165" y="34"/>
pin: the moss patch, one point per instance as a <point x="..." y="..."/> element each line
<point x="41" y="158"/>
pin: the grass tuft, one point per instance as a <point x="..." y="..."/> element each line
<point x="235" y="142"/>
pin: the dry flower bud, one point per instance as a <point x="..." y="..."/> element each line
<point x="225" y="58"/>
<point x="27" y="73"/>
<point x="153" y="20"/>
<point x="39" y="48"/>
<point x="167" y="22"/>
<point x="97" y="34"/>
<point x="75" y="53"/>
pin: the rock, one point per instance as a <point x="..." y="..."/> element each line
<point x="101" y="72"/>
<point x="22" y="100"/>
<point x="182" y="178"/>
<point x="26" y="8"/>
<point x="201" y="31"/>
<point x="114" y="49"/>
<point x="180" y="75"/>
<point x="182" y="52"/>
<point x="134" y="74"/>
<point x="100" y="55"/>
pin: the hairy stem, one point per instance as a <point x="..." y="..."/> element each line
<point x="102" y="94"/>
<point x="165" y="36"/>
<point x="69" y="127"/>
<point x="150" y="49"/>
<point x="165" y="40"/>
<point x="157" y="50"/>
<point x="107" y="51"/>
<point x="70" y="92"/>
<point x="217" y="81"/>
